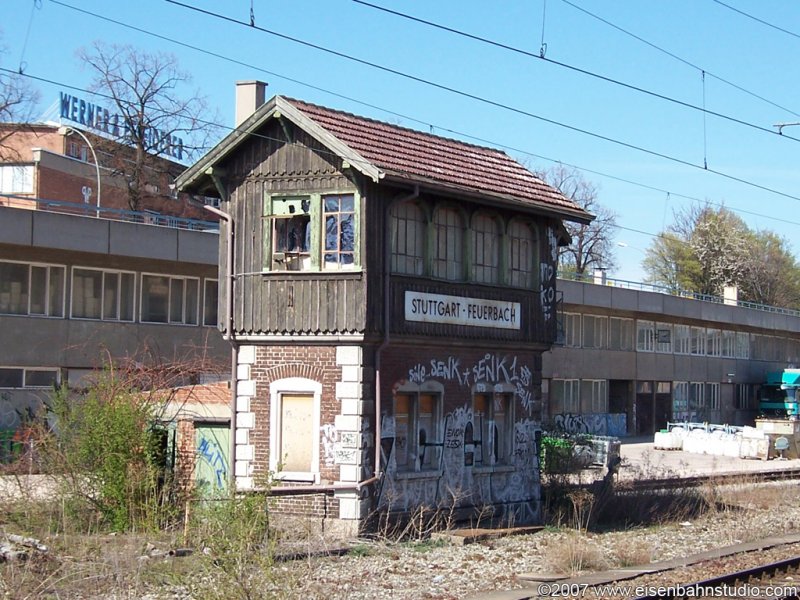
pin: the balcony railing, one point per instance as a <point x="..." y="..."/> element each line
<point x="114" y="214"/>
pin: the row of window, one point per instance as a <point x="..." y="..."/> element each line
<point x="321" y="231"/>
<point x="614" y="333"/>
<point x="16" y="377"/>
<point x="441" y="244"/>
<point x="590" y="396"/>
<point x="420" y="431"/>
<point x="102" y="294"/>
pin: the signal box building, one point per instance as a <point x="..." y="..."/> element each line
<point x="390" y="298"/>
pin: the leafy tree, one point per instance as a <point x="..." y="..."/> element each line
<point x="146" y="91"/>
<point x="771" y="273"/>
<point x="707" y="248"/>
<point x="591" y="245"/>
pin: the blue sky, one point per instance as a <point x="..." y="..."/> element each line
<point x="43" y="36"/>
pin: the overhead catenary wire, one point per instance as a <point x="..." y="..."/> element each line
<point x="457" y="133"/>
<point x="754" y="18"/>
<point x="476" y="139"/>
<point x="490" y="102"/>
<point x="570" y="67"/>
<point x="679" y="58"/>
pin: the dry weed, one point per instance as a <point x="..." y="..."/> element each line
<point x="574" y="554"/>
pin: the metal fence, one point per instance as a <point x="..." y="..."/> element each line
<point x="661" y="289"/>
<point x="114" y="214"/>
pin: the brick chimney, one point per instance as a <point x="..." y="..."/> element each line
<point x="250" y="95"/>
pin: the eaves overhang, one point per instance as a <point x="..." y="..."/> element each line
<point x="507" y="200"/>
<point x="196" y="177"/>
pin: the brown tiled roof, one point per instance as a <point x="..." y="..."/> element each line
<point x="419" y="156"/>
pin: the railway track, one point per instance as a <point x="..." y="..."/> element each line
<point x="699" y="480"/>
<point x="772" y="580"/>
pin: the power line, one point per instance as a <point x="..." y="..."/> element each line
<point x="457" y="133"/>
<point x="570" y="67"/>
<point x="679" y="59"/>
<point x="487" y="101"/>
<point x="237" y="62"/>
<point x="754" y="18"/>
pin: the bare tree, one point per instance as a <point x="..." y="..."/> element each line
<point x="591" y="245"/>
<point x="18" y="99"/>
<point x="152" y="116"/>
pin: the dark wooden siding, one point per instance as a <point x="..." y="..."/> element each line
<point x="282" y="302"/>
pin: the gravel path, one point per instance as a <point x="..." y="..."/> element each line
<point x="400" y="571"/>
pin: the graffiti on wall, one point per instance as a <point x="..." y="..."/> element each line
<point x="547" y="275"/>
<point x="328" y="435"/>
<point x="458" y="477"/>
<point x="610" y="424"/>
<point x="212" y="455"/>
<point x="491" y="370"/>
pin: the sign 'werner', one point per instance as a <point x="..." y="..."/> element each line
<point x="458" y="310"/>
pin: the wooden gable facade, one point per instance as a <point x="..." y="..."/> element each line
<point x="391" y="295"/>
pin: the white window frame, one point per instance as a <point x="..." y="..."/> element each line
<point x="597" y="392"/>
<point x="697" y="395"/>
<point x="570" y="400"/>
<point x="745" y="397"/>
<point x="713" y="342"/>
<point x="572" y="330"/>
<point x="625" y="337"/>
<point x="662" y="332"/>
<point x="170" y="279"/>
<point x="47" y="299"/>
<point x="301" y="386"/>
<point x="698" y="341"/>
<point x="742" y="345"/>
<point x="680" y="397"/>
<point x="645" y="335"/>
<point x="16" y="179"/>
<point x="594" y="331"/>
<point x="103" y="273"/>
<point x="712" y="396"/>
<point x="682" y="339"/>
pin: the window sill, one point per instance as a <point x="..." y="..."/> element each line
<point x="418" y="474"/>
<point x="297" y="477"/>
<point x="315" y="274"/>
<point x="493" y="469"/>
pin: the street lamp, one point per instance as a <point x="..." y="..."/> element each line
<point x="64" y="130"/>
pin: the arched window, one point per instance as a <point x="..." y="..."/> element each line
<point x="408" y="238"/>
<point x="522" y="255"/>
<point x="448" y="250"/>
<point x="486" y="249"/>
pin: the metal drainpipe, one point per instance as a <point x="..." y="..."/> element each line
<point x="387" y="312"/>
<point x="310" y="489"/>
<point x="230" y="337"/>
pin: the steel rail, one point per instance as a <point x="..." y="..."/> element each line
<point x="737" y="578"/>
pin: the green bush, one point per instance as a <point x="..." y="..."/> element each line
<point x="111" y="452"/>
